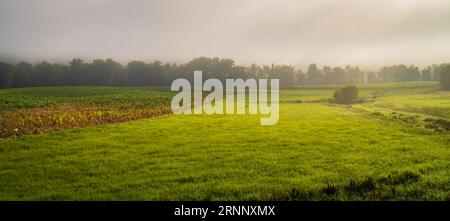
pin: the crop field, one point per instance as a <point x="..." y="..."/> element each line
<point x="105" y="143"/>
<point x="36" y="110"/>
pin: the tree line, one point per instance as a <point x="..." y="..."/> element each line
<point x="137" y="73"/>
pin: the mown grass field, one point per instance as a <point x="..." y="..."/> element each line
<point x="393" y="146"/>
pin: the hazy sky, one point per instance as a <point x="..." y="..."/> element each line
<point x="368" y="33"/>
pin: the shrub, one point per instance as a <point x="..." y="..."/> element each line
<point x="445" y="76"/>
<point x="346" y="95"/>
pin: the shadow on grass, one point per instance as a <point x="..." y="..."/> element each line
<point x="384" y="188"/>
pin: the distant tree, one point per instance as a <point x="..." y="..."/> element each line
<point x="117" y="76"/>
<point x="203" y="64"/>
<point x="285" y="73"/>
<point x="301" y="77"/>
<point x="268" y="70"/>
<point x="436" y="72"/>
<point x="78" y="73"/>
<point x="340" y="75"/>
<point x="314" y="75"/>
<point x="413" y="74"/>
<point x="99" y="73"/>
<point x="138" y="73"/>
<point x="6" y="75"/>
<point x="346" y="95"/>
<point x="58" y="71"/>
<point x="22" y="78"/>
<point x="44" y="74"/>
<point x="156" y="74"/>
<point x="223" y="69"/>
<point x="171" y="71"/>
<point x="329" y="77"/>
<point x="240" y="72"/>
<point x="445" y="76"/>
<point x="256" y="72"/>
<point x="427" y="74"/>
<point x="399" y="73"/>
<point x="354" y="75"/>
<point x="372" y="77"/>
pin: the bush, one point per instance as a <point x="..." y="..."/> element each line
<point x="346" y="95"/>
<point x="445" y="76"/>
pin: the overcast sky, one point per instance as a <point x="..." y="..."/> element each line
<point x="368" y="33"/>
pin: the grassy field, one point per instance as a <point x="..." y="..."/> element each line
<point x="393" y="146"/>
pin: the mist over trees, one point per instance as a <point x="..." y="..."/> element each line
<point x="137" y="73"/>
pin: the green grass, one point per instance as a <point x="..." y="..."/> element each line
<point x="317" y="151"/>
